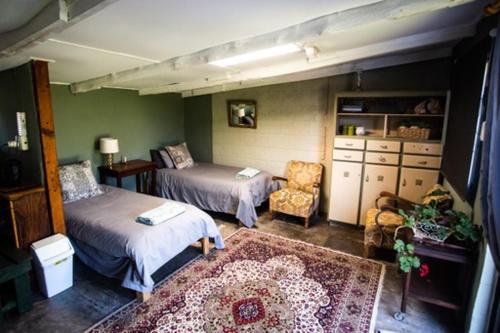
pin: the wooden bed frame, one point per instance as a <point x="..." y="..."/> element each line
<point x="205" y="248"/>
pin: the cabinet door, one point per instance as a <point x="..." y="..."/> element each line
<point x="415" y="182"/>
<point x="376" y="178"/>
<point x="345" y="190"/>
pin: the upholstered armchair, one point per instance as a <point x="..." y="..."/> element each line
<point x="382" y="221"/>
<point x="300" y="196"/>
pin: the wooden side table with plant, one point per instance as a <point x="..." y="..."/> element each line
<point x="443" y="247"/>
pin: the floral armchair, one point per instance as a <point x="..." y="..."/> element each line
<point x="301" y="195"/>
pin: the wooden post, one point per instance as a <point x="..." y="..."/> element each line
<point x="48" y="143"/>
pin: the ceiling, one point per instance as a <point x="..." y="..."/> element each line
<point x="166" y="46"/>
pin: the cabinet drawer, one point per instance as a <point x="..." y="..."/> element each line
<point x="349" y="143"/>
<point x="348" y="155"/>
<point x="378" y="145"/>
<point x="431" y="162"/>
<point x="382" y="158"/>
<point x="422" y="148"/>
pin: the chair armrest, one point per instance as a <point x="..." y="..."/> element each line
<point x="398" y="201"/>
<point x="280" y="178"/>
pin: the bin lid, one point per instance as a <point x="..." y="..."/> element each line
<point x="51" y="247"/>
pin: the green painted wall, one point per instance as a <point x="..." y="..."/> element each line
<point x="17" y="95"/>
<point x="138" y="122"/>
<point x="198" y="127"/>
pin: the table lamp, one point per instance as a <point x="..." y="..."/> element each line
<point x="108" y="147"/>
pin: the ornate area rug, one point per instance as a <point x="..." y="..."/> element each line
<point x="260" y="283"/>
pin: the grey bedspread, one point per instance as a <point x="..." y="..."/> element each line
<point x="108" y="239"/>
<point x="215" y="187"/>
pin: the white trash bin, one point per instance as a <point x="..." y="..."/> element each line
<point x="53" y="258"/>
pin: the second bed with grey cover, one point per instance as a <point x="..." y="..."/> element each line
<point x="215" y="188"/>
<point x="108" y="239"/>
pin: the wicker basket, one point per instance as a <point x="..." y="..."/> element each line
<point x="414" y="132"/>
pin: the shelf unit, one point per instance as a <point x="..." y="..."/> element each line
<point x="363" y="166"/>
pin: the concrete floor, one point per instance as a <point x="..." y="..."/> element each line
<point x="93" y="296"/>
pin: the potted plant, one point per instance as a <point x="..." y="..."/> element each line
<point x="429" y="222"/>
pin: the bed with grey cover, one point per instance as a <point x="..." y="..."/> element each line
<point x="215" y="188"/>
<point x="107" y="238"/>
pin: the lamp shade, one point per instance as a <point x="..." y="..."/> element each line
<point x="241" y="112"/>
<point x="108" y="146"/>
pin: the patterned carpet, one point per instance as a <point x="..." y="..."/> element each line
<point x="260" y="283"/>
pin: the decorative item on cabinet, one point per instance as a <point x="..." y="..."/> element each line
<point x="27" y="214"/>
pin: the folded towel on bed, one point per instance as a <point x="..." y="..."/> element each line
<point x="161" y="214"/>
<point x="247" y="173"/>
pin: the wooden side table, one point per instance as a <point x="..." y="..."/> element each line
<point x="443" y="287"/>
<point x="28" y="214"/>
<point x="131" y="168"/>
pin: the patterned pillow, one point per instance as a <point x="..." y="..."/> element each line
<point x="78" y="182"/>
<point x="180" y="156"/>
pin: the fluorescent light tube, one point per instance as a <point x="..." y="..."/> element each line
<point x="257" y="55"/>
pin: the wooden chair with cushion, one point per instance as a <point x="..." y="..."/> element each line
<point x="301" y="195"/>
<point x="382" y="221"/>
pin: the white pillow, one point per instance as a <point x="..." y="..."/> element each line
<point x="78" y="182"/>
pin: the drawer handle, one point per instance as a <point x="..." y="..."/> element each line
<point x="382" y="159"/>
<point x="367" y="178"/>
<point x="349" y="144"/>
<point x="384" y="146"/>
<point x="404" y="181"/>
<point x="422" y="162"/>
<point x="347" y="156"/>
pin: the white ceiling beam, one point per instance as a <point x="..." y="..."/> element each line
<point x="363" y="65"/>
<point x="304" y="32"/>
<point x="325" y="60"/>
<point x="56" y="16"/>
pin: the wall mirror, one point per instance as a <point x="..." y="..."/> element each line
<point x="242" y="113"/>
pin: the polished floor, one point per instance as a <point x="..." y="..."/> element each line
<point x="93" y="297"/>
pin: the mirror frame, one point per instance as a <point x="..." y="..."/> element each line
<point x="233" y="102"/>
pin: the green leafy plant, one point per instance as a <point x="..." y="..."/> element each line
<point x="443" y="224"/>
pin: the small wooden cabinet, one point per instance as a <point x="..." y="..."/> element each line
<point x="27" y="213"/>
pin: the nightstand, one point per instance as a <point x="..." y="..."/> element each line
<point x="131" y="168"/>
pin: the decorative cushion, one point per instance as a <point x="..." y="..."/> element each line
<point x="438" y="196"/>
<point x="167" y="160"/>
<point x="156" y="157"/>
<point x="302" y="175"/>
<point x="180" y="156"/>
<point x="78" y="182"/>
<point x="292" y="201"/>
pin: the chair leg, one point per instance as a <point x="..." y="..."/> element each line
<point x="271" y="214"/>
<point x="306" y="220"/>
<point x="368" y="251"/>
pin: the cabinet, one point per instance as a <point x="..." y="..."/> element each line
<point x="376" y="178"/>
<point x="344" y="197"/>
<point x="27" y="213"/>
<point x="384" y="157"/>
<point x="415" y="182"/>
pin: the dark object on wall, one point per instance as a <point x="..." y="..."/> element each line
<point x="241" y="113"/>
<point x="28" y="214"/>
<point x="461" y="155"/>
<point x="10" y="173"/>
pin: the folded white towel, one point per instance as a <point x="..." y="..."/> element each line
<point x="161" y="214"/>
<point x="247" y="173"/>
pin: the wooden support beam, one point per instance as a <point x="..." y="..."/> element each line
<point x="325" y="60"/>
<point x="300" y="33"/>
<point x="48" y="142"/>
<point x="56" y="16"/>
